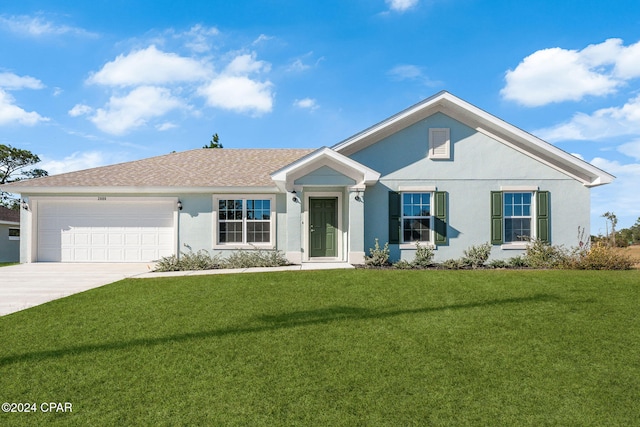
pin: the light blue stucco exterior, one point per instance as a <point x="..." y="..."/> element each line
<point x="9" y="246"/>
<point x="484" y="155"/>
<point x="478" y="165"/>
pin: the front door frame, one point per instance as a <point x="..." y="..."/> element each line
<point x="339" y="230"/>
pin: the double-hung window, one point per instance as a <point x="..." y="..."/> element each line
<point x="244" y="221"/>
<point x="517" y="217"/>
<point x="416" y="217"/>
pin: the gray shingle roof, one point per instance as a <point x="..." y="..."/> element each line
<point x="195" y="168"/>
<point x="9" y="215"/>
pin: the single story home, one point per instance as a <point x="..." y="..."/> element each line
<point x="9" y="235"/>
<point x="442" y="172"/>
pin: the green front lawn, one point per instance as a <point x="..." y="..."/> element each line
<point x="343" y="347"/>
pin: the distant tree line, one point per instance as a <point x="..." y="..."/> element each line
<point x="618" y="238"/>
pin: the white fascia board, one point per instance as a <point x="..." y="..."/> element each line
<point x="143" y="190"/>
<point x="386" y="127"/>
<point x="10" y="223"/>
<point x="325" y="157"/>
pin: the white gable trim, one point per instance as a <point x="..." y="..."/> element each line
<point x="362" y="175"/>
<point x="485" y="123"/>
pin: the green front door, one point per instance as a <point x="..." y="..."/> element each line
<point x="323" y="222"/>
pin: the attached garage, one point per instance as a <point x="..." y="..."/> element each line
<point x="105" y="229"/>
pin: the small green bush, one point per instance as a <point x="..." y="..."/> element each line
<point x="453" y="264"/>
<point x="378" y="257"/>
<point x="255" y="258"/>
<point x="200" y="260"/>
<point x="541" y="254"/>
<point x="423" y="257"/>
<point x="499" y="263"/>
<point x="477" y="256"/>
<point x="599" y="256"/>
<point x="403" y="264"/>
<point x="517" y="262"/>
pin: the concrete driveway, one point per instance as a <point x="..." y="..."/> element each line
<point x="27" y="285"/>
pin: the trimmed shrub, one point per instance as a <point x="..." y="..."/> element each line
<point x="423" y="257"/>
<point x="499" y="263"/>
<point x="200" y="260"/>
<point x="378" y="257"/>
<point x="403" y="264"/>
<point x="453" y="264"/>
<point x="517" y="262"/>
<point x="255" y="258"/>
<point x="541" y="254"/>
<point x="477" y="256"/>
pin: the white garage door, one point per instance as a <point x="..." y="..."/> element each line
<point x="105" y="230"/>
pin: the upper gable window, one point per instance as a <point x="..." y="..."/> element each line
<point x="439" y="143"/>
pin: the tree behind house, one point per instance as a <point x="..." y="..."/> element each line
<point x="13" y="162"/>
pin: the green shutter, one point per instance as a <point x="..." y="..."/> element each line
<point x="440" y="225"/>
<point x="394" y="217"/>
<point x="496" y="218"/>
<point x="542" y="208"/>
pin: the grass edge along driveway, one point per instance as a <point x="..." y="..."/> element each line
<point x="341" y="347"/>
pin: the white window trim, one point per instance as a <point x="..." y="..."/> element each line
<point x="14" y="237"/>
<point x="447" y="153"/>
<point x="524" y="244"/>
<point x="233" y="245"/>
<point x="432" y="236"/>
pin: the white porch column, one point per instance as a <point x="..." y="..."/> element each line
<point x="294" y="226"/>
<point x="356" y="225"/>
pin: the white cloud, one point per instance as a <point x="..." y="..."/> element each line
<point x="199" y="36"/>
<point x="246" y="64"/>
<point x="12" y="114"/>
<point x="166" y="126"/>
<point x="306" y="103"/>
<point x="234" y="90"/>
<point x="401" y="5"/>
<point x="239" y="93"/>
<point x="298" y="66"/>
<point x="80" y="110"/>
<point x="123" y="114"/>
<point x="149" y="66"/>
<point x="603" y="123"/>
<point x="36" y="26"/>
<point x="74" y="162"/>
<point x="412" y="73"/>
<point x="262" y="38"/>
<point x="628" y="62"/>
<point x="10" y="81"/>
<point x="557" y="74"/>
<point x="631" y="149"/>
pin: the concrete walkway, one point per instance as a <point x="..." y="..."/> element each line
<point x="27" y="285"/>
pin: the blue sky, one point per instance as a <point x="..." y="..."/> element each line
<point x="84" y="84"/>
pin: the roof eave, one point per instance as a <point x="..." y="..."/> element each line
<point x="143" y="190"/>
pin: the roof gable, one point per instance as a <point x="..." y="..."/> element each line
<point x="485" y="123"/>
<point x="324" y="157"/>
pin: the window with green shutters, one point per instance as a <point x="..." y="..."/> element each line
<point x="418" y="217"/>
<point x="519" y="216"/>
